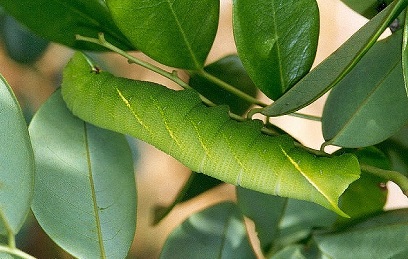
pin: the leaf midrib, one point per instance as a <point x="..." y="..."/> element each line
<point x="278" y="50"/>
<point x="183" y="35"/>
<point x="93" y="192"/>
<point x="363" y="103"/>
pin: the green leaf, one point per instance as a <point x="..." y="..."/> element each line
<point x="368" y="8"/>
<point x="61" y="20"/>
<point x="383" y="236"/>
<point x="17" y="164"/>
<point x="196" y="184"/>
<point x="281" y="221"/>
<point x="216" y="232"/>
<point x="368" y="194"/>
<point x="276" y="41"/>
<point x="205" y="139"/>
<point x="328" y="73"/>
<point x="396" y="149"/>
<point x="376" y="104"/>
<point x="300" y="218"/>
<point x="230" y="70"/>
<point x="292" y="252"/>
<point x="21" y="45"/>
<point x="365" y="196"/>
<point x="405" y="53"/>
<point x="85" y="194"/>
<point x="265" y="211"/>
<point x="174" y="33"/>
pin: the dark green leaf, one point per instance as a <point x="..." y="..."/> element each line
<point x="276" y="41"/>
<point x="396" y="149"/>
<point x="328" y="73"/>
<point x="365" y="110"/>
<point x="85" y="193"/>
<point x="405" y="53"/>
<point x="292" y="252"/>
<point x="61" y="20"/>
<point x="196" y="184"/>
<point x="365" y="196"/>
<point x="230" y="70"/>
<point x="383" y="236"/>
<point x="368" y="194"/>
<point x="17" y="164"/>
<point x="175" y="33"/>
<point x="300" y="218"/>
<point x="266" y="211"/>
<point x="21" y="45"/>
<point x="217" y="232"/>
<point x="368" y="8"/>
<point x="206" y="139"/>
<point x="281" y="221"/>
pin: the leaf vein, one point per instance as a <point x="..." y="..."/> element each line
<point x="188" y="45"/>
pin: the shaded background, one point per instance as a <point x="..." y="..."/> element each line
<point x="159" y="176"/>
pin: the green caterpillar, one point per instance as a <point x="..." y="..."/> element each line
<point x="205" y="139"/>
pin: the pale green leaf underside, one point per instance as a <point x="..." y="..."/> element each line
<point x="85" y="194"/>
<point x="16" y="163"/>
<point x="216" y="232"/>
<point x="206" y="139"/>
<point x="382" y="236"/>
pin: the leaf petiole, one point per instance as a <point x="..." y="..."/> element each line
<point x="131" y="59"/>
<point x="173" y="76"/>
<point x="389" y="175"/>
<point x="231" y="88"/>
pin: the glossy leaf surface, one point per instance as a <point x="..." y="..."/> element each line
<point x="276" y="41"/>
<point x="365" y="110"/>
<point x="85" y="194"/>
<point x="206" y="139"/>
<point x="216" y="232"/>
<point x="175" y="33"/>
<point x="17" y="163"/>
<point x="328" y="73"/>
<point x="61" y="20"/>
<point x="383" y="236"/>
<point x="230" y="70"/>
